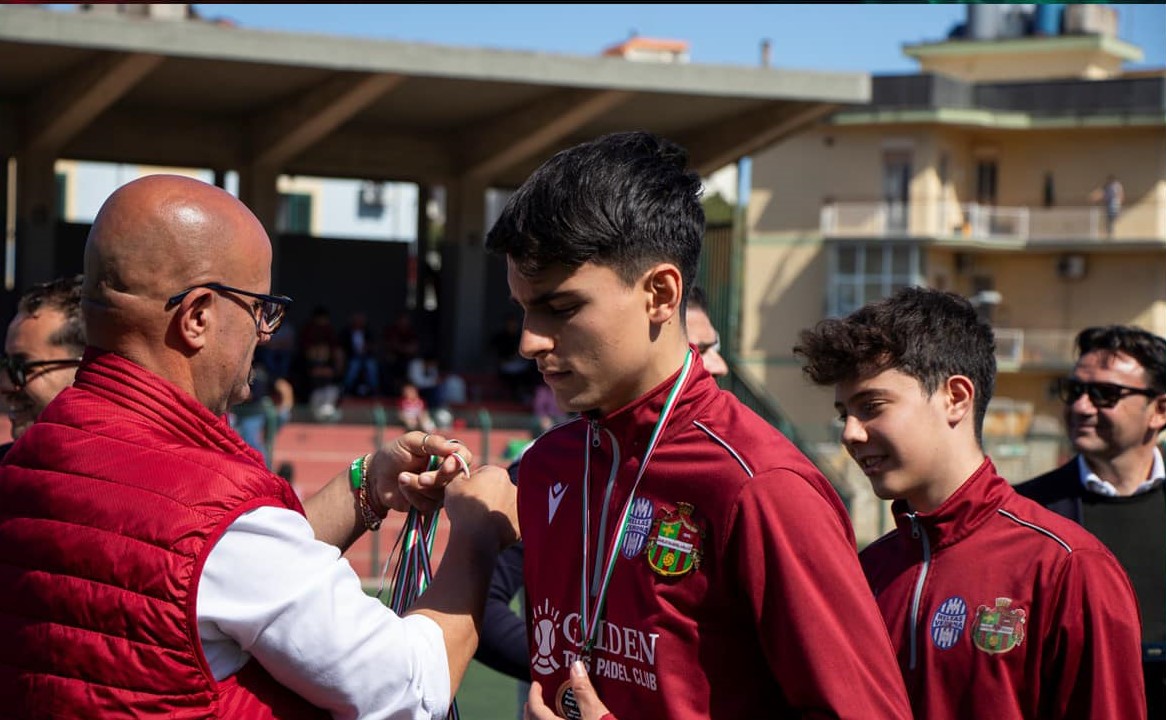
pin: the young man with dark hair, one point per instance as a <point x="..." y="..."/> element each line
<point x="998" y="608"/>
<point x="42" y="350"/>
<point x="696" y="562"/>
<point x="1115" y="411"/>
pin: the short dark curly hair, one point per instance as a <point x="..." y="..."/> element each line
<point x="1145" y="347"/>
<point x="927" y="334"/>
<point x="64" y="296"/>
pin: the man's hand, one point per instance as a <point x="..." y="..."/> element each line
<point x="398" y="472"/>
<point x="590" y="707"/>
<point x="485" y="501"/>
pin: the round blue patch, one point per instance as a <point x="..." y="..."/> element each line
<point x="639" y="523"/>
<point x="947" y="624"/>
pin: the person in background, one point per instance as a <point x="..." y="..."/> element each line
<point x="42" y="350"/>
<point x="412" y="410"/>
<point x="1115" y="412"/>
<point x="998" y="608"/>
<point x="361" y="376"/>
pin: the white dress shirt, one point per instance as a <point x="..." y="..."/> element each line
<point x="270" y="590"/>
<point x="1095" y="484"/>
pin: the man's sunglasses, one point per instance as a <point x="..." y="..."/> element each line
<point x="18" y="370"/>
<point x="1102" y="395"/>
<point x="269" y="310"/>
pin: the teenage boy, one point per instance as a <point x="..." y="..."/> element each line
<point x="688" y="553"/>
<point x="997" y="607"/>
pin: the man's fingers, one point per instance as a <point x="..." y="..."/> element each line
<point x="589" y="705"/>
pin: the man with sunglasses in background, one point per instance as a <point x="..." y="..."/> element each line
<point x="150" y="563"/>
<point x="1115" y="411"/>
<point x="41" y="351"/>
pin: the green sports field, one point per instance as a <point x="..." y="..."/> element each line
<point x="487" y="695"/>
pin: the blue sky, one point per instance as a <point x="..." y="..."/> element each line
<point x="862" y="37"/>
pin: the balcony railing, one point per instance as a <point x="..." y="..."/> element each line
<point x="987" y="222"/>
<point x="1026" y="348"/>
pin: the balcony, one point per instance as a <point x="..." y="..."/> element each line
<point x="1033" y="349"/>
<point x="972" y="221"/>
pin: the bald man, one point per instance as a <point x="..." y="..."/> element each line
<point x="154" y="566"/>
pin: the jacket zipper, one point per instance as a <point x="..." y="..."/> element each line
<point x="919" y="534"/>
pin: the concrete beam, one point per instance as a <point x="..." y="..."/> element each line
<point x="67" y="107"/>
<point x="528" y="130"/>
<point x="717" y="144"/>
<point x="285" y="132"/>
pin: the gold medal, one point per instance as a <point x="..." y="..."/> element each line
<point x="566" y="703"/>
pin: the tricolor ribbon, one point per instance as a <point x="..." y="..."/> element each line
<point x="410" y="556"/>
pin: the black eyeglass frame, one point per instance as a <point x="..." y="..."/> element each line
<point x="277" y="303"/>
<point x="1101" y="394"/>
<point x="18" y="369"/>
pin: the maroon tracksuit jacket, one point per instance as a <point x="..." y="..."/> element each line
<point x="737" y="591"/>
<point x="999" y="608"/>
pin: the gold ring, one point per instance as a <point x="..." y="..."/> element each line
<point x="423" y="448"/>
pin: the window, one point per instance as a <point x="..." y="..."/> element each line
<point x="295" y="214"/>
<point x="861" y="272"/>
<point x="986" y="182"/>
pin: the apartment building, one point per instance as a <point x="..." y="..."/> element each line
<point x="982" y="174"/>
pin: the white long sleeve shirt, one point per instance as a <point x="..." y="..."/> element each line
<point x="272" y="591"/>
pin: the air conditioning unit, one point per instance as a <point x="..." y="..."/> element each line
<point x="1071" y="267"/>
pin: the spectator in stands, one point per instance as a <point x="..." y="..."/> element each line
<point x="412" y="409"/>
<point x="322" y="365"/>
<point x="361" y="374"/>
<point x="424" y="374"/>
<point x="400" y="345"/>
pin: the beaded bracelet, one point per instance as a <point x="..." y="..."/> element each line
<point x="358" y="477"/>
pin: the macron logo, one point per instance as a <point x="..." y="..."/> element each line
<point x="555" y="495"/>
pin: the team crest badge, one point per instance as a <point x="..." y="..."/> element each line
<point x="674" y="545"/>
<point x="947" y="624"/>
<point x="639" y="523"/>
<point x="998" y="629"/>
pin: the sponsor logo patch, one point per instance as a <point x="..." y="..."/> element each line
<point x="639" y="523"/>
<point x="1000" y="628"/>
<point x="947" y="624"/>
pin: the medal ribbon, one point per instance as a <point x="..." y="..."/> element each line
<point x="591" y="612"/>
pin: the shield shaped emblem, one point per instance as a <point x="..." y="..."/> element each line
<point x="673" y="547"/>
<point x="1000" y="628"/>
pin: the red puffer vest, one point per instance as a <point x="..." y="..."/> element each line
<point x="109" y="505"/>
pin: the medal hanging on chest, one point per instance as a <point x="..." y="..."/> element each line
<point x="590" y="611"/>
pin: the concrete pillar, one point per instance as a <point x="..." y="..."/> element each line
<point x="417" y="254"/>
<point x="36" y="219"/>
<point x="258" y="191"/>
<point x="463" y="274"/>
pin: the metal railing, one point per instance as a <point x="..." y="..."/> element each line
<point x="977" y="221"/>
<point x="1018" y="348"/>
